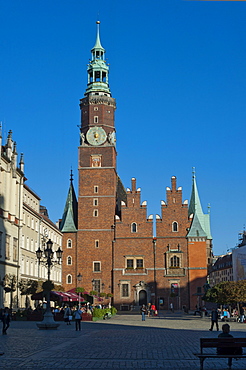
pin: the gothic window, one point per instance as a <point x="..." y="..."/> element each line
<point x="96" y="266"/>
<point x="69" y="279"/>
<point x="175" y="226"/>
<point x="125" y="290"/>
<point x="69" y="243"/>
<point x="69" y="260"/>
<point x="174" y="261"/>
<point x="134" y="227"/>
<point x="97" y="243"/>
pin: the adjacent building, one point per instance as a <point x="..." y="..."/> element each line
<point x="107" y="234"/>
<point x="24" y="226"/>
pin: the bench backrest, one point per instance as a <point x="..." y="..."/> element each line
<point x="222" y="343"/>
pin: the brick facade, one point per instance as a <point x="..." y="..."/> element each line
<point x="113" y="247"/>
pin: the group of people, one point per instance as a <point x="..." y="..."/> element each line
<point x="149" y="310"/>
<point x="76" y="313"/>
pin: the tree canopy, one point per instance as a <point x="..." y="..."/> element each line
<point x="227" y="292"/>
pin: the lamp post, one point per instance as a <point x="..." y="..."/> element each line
<point x="79" y="277"/>
<point x="46" y="258"/>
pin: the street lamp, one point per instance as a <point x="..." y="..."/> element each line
<point x="79" y="277"/>
<point x="46" y="258"/>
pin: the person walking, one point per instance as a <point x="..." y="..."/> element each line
<point x="78" y="318"/>
<point x="143" y="311"/>
<point x="214" y="319"/>
<point x="67" y="315"/>
<point x="5" y="320"/>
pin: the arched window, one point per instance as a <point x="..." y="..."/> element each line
<point x="69" y="243"/>
<point x="134" y="227"/>
<point x="69" y="279"/>
<point x="69" y="260"/>
<point x="174" y="261"/>
<point x="175" y="226"/>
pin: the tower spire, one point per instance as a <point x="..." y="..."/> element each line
<point x="97" y="69"/>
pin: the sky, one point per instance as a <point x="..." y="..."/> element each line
<point x="177" y="72"/>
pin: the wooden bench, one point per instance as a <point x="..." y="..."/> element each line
<point x="221" y="343"/>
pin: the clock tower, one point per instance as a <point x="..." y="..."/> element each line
<point x="97" y="175"/>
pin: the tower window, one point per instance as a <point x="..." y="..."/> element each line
<point x="69" y="243"/>
<point x="175" y="226"/>
<point x="134" y="227"/>
<point x="97" y="243"/>
<point x="97" y="76"/>
<point x="95" y="189"/>
<point x="69" y="260"/>
<point x="95" y="108"/>
<point x="95" y="119"/>
<point x="69" y="279"/>
<point x="95" y="202"/>
<point x="104" y="76"/>
<point x="96" y="266"/>
<point x="95" y="213"/>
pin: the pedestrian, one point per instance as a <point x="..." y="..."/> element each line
<point x="78" y="318"/>
<point x="5" y="320"/>
<point x="68" y="315"/>
<point x="149" y="309"/>
<point x="241" y="310"/>
<point x="153" y="309"/>
<point x="214" y="319"/>
<point x="171" y="307"/>
<point x="143" y="312"/>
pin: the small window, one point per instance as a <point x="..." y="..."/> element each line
<point x="97" y="243"/>
<point x="175" y="226"/>
<point x="69" y="243"/>
<point x="139" y="263"/>
<point x="96" y="266"/>
<point x="95" y="119"/>
<point x="69" y="260"/>
<point x="125" y="290"/>
<point x="129" y="263"/>
<point x="134" y="227"/>
<point x="69" y="279"/>
<point x="95" y="108"/>
<point x="95" y="202"/>
<point x="96" y="285"/>
<point x="95" y="213"/>
<point x="95" y="189"/>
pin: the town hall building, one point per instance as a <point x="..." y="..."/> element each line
<point x="108" y="243"/>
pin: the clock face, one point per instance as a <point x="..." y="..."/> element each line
<point x="96" y="136"/>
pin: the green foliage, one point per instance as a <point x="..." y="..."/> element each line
<point x="80" y="290"/>
<point x="227" y="292"/>
<point x="102" y="294"/>
<point x="27" y="286"/>
<point x="100" y="312"/>
<point x="48" y="286"/>
<point x="110" y="295"/>
<point x="113" y="311"/>
<point x="93" y="292"/>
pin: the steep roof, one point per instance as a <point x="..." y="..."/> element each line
<point x="70" y="214"/>
<point x="200" y="225"/>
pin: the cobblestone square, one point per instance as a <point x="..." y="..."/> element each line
<point x="124" y="341"/>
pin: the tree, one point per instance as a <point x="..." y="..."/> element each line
<point x="27" y="287"/>
<point x="227" y="292"/>
<point x="10" y="286"/>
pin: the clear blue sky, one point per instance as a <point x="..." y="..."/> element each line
<point x="177" y="71"/>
